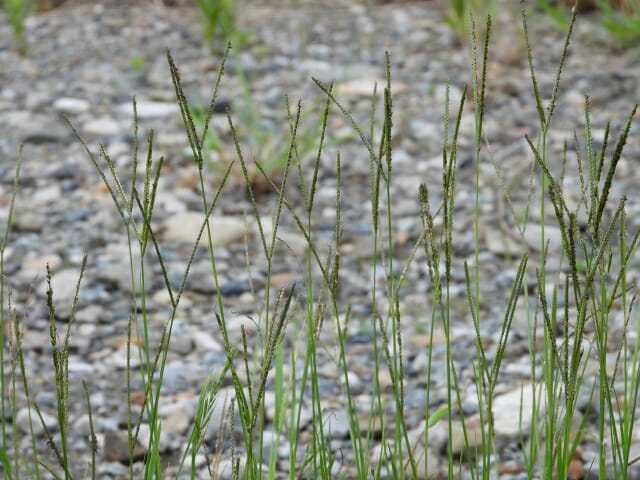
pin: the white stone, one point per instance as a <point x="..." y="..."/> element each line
<point x="102" y="126"/>
<point x="37" y="266"/>
<point x="363" y="87"/>
<point x="552" y="235"/>
<point x="455" y="96"/>
<point x="185" y="226"/>
<point x="513" y="411"/>
<point x="335" y="423"/>
<point x="501" y="243"/>
<point x="118" y="358"/>
<point x="205" y="342"/>
<point x="45" y="195"/>
<point x="63" y="284"/>
<point x="23" y="424"/>
<point x="147" y="110"/>
<point x="71" y="105"/>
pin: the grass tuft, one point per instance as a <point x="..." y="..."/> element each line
<point x="306" y="324"/>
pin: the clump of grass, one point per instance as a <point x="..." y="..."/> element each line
<point x="457" y="16"/>
<point x="624" y="21"/>
<point x="620" y="18"/>
<point x="17" y="12"/>
<point x="591" y="279"/>
<point x="220" y="24"/>
<point x="266" y="144"/>
<point x="138" y="62"/>
<point x="557" y="12"/>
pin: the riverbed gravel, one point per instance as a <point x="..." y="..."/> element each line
<point x="87" y="60"/>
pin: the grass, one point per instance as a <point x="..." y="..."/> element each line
<point x="16" y="12"/>
<point x="220" y="23"/>
<point x="568" y="311"/>
<point x="624" y="22"/>
<point x="458" y="18"/>
<point x="267" y="143"/>
<point x="620" y="18"/>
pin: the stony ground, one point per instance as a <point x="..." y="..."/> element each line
<point x="87" y="61"/>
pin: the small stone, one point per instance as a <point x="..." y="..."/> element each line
<point x="175" y="418"/>
<point x="71" y="106"/>
<point x="90" y="315"/>
<point x="225" y="468"/>
<point x="147" y="110"/>
<point x="205" y="342"/>
<point x="102" y="126"/>
<point x="63" y="285"/>
<point x="28" y="418"/>
<point x="119" y="359"/>
<point x="37" y="266"/>
<point x="235" y="324"/>
<point x="200" y="278"/>
<point x="424" y="130"/>
<point x="510" y="467"/>
<point x="46" y="195"/>
<point x="439" y="94"/>
<point x="235" y="288"/>
<point x="356" y="386"/>
<point x="575" y="470"/>
<point x="184" y="227"/>
<point x="78" y="367"/>
<point x="336" y="423"/>
<point x="177" y="376"/>
<point x="28" y="127"/>
<point x="501" y="243"/>
<point x="116" y="447"/>
<point x="82" y="425"/>
<point x="116" y="274"/>
<point x="552" y="235"/>
<point x="364" y="87"/>
<point x="472" y="443"/>
<point x="163" y="298"/>
<point x="114" y="469"/>
<point x="36" y="340"/>
<point x="508" y="421"/>
<point x="29" y="222"/>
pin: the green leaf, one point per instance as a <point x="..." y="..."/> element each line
<point x="438" y="415"/>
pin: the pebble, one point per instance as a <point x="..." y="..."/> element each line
<point x="185" y="226"/>
<point x="27" y="420"/>
<point x="116" y="447"/>
<point x="63" y="285"/>
<point x="71" y="106"/>
<point x="505" y="406"/>
<point x="102" y="127"/>
<point x="336" y="423"/>
<point x="149" y="110"/>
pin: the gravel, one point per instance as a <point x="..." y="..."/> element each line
<point x="87" y="61"/>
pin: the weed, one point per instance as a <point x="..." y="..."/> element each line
<point x="623" y="22"/>
<point x="458" y="15"/>
<point x="620" y="18"/>
<point x="138" y="62"/>
<point x="17" y="11"/>
<point x="557" y="12"/>
<point x="219" y="17"/>
<point x="568" y="316"/>
<point x="264" y="140"/>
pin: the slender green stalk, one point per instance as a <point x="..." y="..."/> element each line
<point x="93" y="442"/>
<point x="4" y="454"/>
